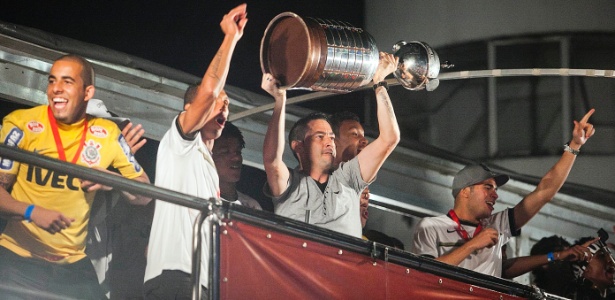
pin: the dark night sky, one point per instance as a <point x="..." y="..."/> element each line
<point x="183" y="35"/>
<point x="180" y="34"/>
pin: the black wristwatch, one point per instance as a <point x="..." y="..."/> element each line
<point x="381" y="83"/>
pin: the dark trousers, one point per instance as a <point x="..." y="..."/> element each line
<point x="171" y="284"/>
<point x="27" y="278"/>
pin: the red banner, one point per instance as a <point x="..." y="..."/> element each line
<point x="258" y="263"/>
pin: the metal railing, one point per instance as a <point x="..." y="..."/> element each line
<point x="205" y="206"/>
<point x="220" y="211"/>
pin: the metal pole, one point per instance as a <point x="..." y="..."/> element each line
<point x="566" y="102"/>
<point x="118" y="182"/>
<point x="196" y="256"/>
<point x="214" y="258"/>
<point x="494" y="73"/>
<point x="492" y="103"/>
<point x="206" y="207"/>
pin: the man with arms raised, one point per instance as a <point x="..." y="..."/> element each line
<point x="315" y="192"/>
<point x="184" y="164"/>
<point x="470" y="236"/>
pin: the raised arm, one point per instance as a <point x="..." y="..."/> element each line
<point x="273" y="147"/>
<point x="373" y="156"/>
<point x="554" y="179"/>
<point x="214" y="79"/>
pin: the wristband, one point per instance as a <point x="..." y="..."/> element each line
<point x="28" y="214"/>
<point x="550" y="257"/>
<point x="381" y="83"/>
<point x="568" y="149"/>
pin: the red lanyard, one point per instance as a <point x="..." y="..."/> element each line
<point x="56" y="137"/>
<point x="460" y="230"/>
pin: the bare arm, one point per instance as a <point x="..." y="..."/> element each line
<point x="517" y="266"/>
<point x="520" y="265"/>
<point x="486" y="238"/>
<point x="51" y="221"/>
<point x="9" y="207"/>
<point x="554" y="179"/>
<point x="214" y="79"/>
<point x="374" y="155"/>
<point x="138" y="199"/>
<point x="273" y="147"/>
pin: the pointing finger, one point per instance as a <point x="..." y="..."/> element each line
<point x="587" y="115"/>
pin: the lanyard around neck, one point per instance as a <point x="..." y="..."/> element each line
<point x="460" y="230"/>
<point x="58" y="140"/>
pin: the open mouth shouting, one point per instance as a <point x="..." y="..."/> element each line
<point x="221" y="120"/>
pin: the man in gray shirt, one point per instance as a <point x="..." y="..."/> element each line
<point x="314" y="192"/>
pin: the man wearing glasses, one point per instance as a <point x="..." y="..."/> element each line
<point x="470" y="236"/>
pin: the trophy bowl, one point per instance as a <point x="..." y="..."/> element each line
<point x="418" y="67"/>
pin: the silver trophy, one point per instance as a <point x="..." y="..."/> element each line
<point x="334" y="56"/>
<point x="418" y="67"/>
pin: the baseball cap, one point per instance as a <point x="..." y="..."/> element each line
<point x="474" y="174"/>
<point x="97" y="108"/>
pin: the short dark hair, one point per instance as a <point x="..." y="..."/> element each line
<point x="300" y="128"/>
<point x="338" y="118"/>
<point x="190" y="93"/>
<point x="87" y="71"/>
<point x="546" y="245"/>
<point x="549" y="244"/>
<point x="231" y="131"/>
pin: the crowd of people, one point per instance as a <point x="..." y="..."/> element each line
<point x="54" y="225"/>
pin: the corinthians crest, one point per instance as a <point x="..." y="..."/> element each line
<point x="91" y="154"/>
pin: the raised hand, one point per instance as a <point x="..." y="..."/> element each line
<point x="582" y="131"/>
<point x="271" y="86"/>
<point x="235" y="21"/>
<point x="133" y="137"/>
<point x="386" y="66"/>
<point x="577" y="252"/>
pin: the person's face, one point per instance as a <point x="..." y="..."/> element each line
<point x="600" y="270"/>
<point x="482" y="197"/>
<point x="318" y="145"/>
<point x="66" y="93"/>
<point x="364" y="204"/>
<point x="228" y="159"/>
<point x="350" y="142"/>
<point x="215" y="123"/>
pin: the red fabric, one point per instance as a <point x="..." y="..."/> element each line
<point x="255" y="266"/>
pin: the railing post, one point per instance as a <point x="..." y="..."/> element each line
<point x="196" y="255"/>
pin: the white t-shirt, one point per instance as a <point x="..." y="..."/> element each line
<point x="436" y="236"/>
<point x="185" y="166"/>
